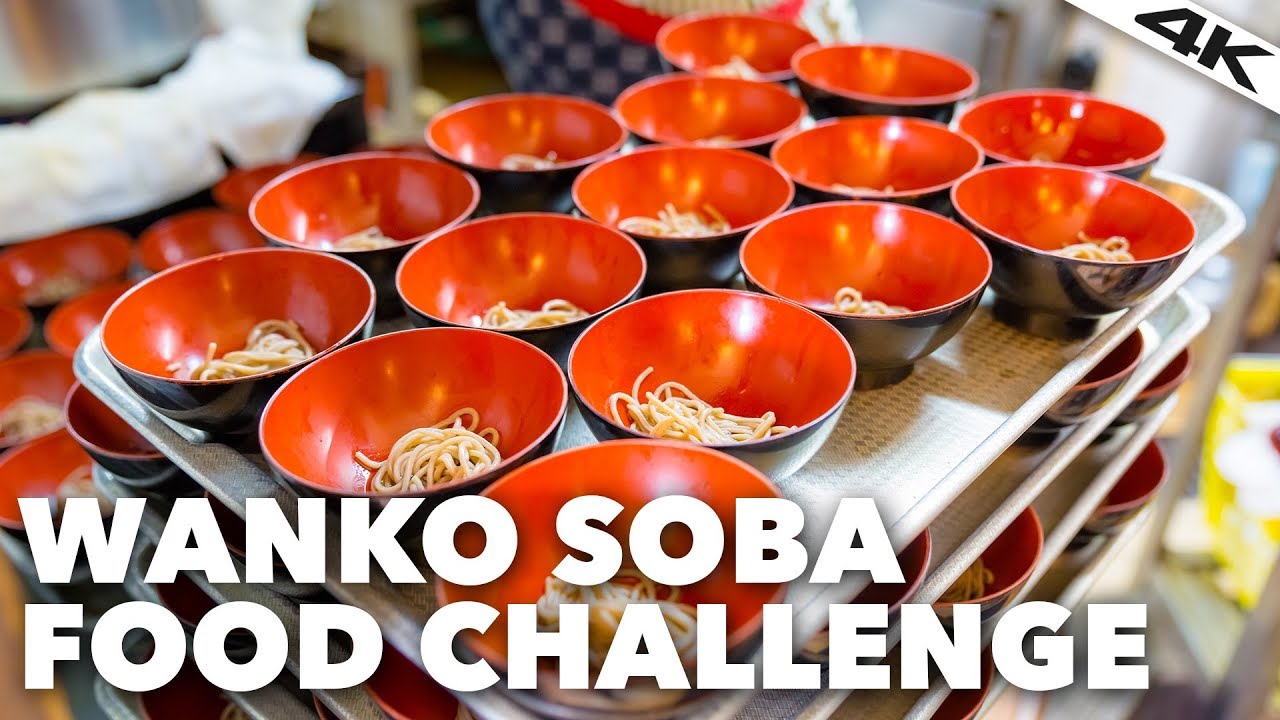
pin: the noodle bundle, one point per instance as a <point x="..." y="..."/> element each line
<point x="850" y="300"/>
<point x="27" y="418"/>
<point x="1112" y="249"/>
<point x="517" y="161"/>
<point x="425" y="457"/>
<point x="674" y="224"/>
<point x="79" y="484"/>
<point x="859" y="189"/>
<point x="271" y="345"/>
<point x="971" y="585"/>
<point x="553" y="312"/>
<point x="737" y="67"/>
<point x="368" y="239"/>
<point x="673" y="411"/>
<point x="608" y="601"/>
<point x="56" y="289"/>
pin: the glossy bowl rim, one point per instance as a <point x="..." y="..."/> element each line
<point x="148" y="238"/>
<point x="743" y="633"/>
<point x="1167" y="388"/>
<point x="96" y="448"/>
<point x="7" y="444"/>
<point x="1082" y="95"/>
<point x="674" y="78"/>
<point x="61" y="309"/>
<point x="735" y="230"/>
<point x="187" y="382"/>
<point x="836" y="314"/>
<point x="110" y="238"/>
<point x="557" y="217"/>
<point x="31" y="445"/>
<point x="487" y="476"/>
<point x="354" y="157"/>
<point x="25" y="326"/>
<point x="1035" y="562"/>
<point x="984" y="232"/>
<point x="681" y="21"/>
<point x="912" y="585"/>
<point x="1105" y="508"/>
<point x="902" y="101"/>
<point x="500" y="98"/>
<point x="218" y="192"/>
<point x="868" y="119"/>
<point x="723" y="447"/>
<point x="1120" y="374"/>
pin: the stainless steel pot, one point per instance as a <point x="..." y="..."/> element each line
<point x="49" y="49"/>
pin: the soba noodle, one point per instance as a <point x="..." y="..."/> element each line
<point x="971" y="585"/>
<point x="737" y="67"/>
<point x="553" y="312"/>
<point x="27" y="418"/>
<point x="56" y="289"/>
<point x="233" y="712"/>
<point x="850" y="300"/>
<point x="79" y="484"/>
<point x="367" y="239"/>
<point x="517" y="161"/>
<point x="674" y="224"/>
<point x="271" y="345"/>
<point x="672" y="411"/>
<point x="428" y="456"/>
<point x="860" y="190"/>
<point x="607" y="602"/>
<point x="1112" y="249"/>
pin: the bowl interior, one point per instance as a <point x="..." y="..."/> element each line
<point x="890" y="155"/>
<point x="236" y="189"/>
<point x="196" y="233"/>
<point x="885" y="72"/>
<point x="36" y="470"/>
<point x="15" y="327"/>
<point x="481" y="133"/>
<point x="631" y="472"/>
<point x="914" y="561"/>
<point x="1168" y="379"/>
<point x="187" y="696"/>
<point x="1119" y="362"/>
<point x="54" y="268"/>
<point x="94" y="424"/>
<point x="679" y="109"/>
<point x="1047" y="207"/>
<point x="1013" y="555"/>
<point x="747" y="353"/>
<point x="69" y="323"/>
<point x="528" y="260"/>
<point x="889" y="252"/>
<point x="37" y="374"/>
<point x="1070" y="128"/>
<point x="1139" y="482"/>
<point x="965" y="704"/>
<point x="406" y="196"/>
<point x="405" y="692"/>
<point x="743" y="187"/>
<point x="172" y="317"/>
<point x="314" y="425"/>
<point x="700" y="44"/>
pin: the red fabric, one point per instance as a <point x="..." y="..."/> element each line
<point x="642" y="26"/>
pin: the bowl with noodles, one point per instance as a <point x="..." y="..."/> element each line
<point x="448" y="411"/>
<point x="52" y="466"/>
<point x="1165" y="384"/>
<point x="1095" y="390"/>
<point x="1000" y="572"/>
<point x="405" y="692"/>
<point x="370" y="208"/>
<point x="739" y="45"/>
<point x="1066" y="127"/>
<point x="1070" y="245"/>
<point x="684" y="109"/>
<point x="914" y="562"/>
<point x="236" y="189"/>
<point x="844" y="80"/>
<point x="896" y="281"/>
<point x="546" y="277"/>
<point x="206" y="343"/>
<point x="760" y="378"/>
<point x="191" y="697"/>
<point x="15" y="328"/>
<point x="966" y="704"/>
<point x="71" y="322"/>
<point x="195" y="234"/>
<point x="688" y="208"/>
<point x="113" y="443"/>
<point x="1132" y="493"/>
<point x="52" y="269"/>
<point x="631" y="473"/>
<point x="525" y="149"/>
<point x="33" y="386"/>
<point x="904" y="160"/>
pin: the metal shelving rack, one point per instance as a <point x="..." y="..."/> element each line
<point x="936" y="451"/>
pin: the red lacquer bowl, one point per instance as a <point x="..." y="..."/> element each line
<point x="112" y="442"/>
<point x="194" y="234"/>
<point x="701" y="43"/>
<point x="47" y="271"/>
<point x="35" y="374"/>
<point x="1011" y="558"/>
<point x="72" y="321"/>
<point x="840" y="80"/>
<point x="405" y="692"/>
<point x="236" y="189"/>
<point x="15" y="328"/>
<point x="36" y="470"/>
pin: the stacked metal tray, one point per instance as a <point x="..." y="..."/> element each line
<point x="933" y="452"/>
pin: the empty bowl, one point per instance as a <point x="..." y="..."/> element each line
<point x="33" y="386"/>
<point x="1067" y="127"/>
<point x="405" y="197"/>
<point x="113" y="443"/>
<point x="928" y="266"/>
<point x="1089" y="395"/>
<point x="746" y="45"/>
<point x="1027" y="212"/>
<point x="1132" y="492"/>
<point x="1011" y="558"/>
<point x="748" y="353"/>
<point x="164" y="325"/>
<point x="47" y="271"/>
<point x="632" y="473"/>
<point x="194" y="234"/>
<point x="525" y="149"/>
<point x="72" y="321"/>
<point x="1158" y="390"/>
<point x="524" y="261"/>
<point x="405" y="692"/>
<point x="37" y="470"/>
<point x="742" y="188"/>
<point x="312" y="429"/>
<point x="681" y="109"/>
<point x="236" y="189"/>
<point x="841" y="80"/>
<point x="15" y="328"/>
<point x="904" y="160"/>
